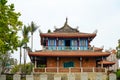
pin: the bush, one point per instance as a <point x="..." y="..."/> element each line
<point x="118" y="74"/>
<point x="9" y="77"/>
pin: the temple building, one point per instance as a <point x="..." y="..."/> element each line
<point x="66" y="49"/>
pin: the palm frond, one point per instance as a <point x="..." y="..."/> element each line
<point x="33" y="27"/>
<point x="25" y="31"/>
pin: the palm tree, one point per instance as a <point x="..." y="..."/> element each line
<point x="21" y="43"/>
<point x="25" y="33"/>
<point x="33" y="28"/>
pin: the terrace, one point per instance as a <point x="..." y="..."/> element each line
<point x="70" y="69"/>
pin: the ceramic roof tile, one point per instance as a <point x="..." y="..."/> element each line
<point x="69" y="53"/>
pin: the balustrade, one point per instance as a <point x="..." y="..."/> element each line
<point x="64" y="48"/>
<point x="71" y="69"/>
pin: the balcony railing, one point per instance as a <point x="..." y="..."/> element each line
<point x="64" y="48"/>
<point x="75" y="69"/>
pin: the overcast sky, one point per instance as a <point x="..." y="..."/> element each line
<point x="89" y="15"/>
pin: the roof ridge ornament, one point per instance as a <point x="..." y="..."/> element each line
<point x="66" y="28"/>
<point x="55" y="27"/>
<point x="95" y="31"/>
<point x="66" y="21"/>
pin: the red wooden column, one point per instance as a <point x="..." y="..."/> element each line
<point x="80" y="61"/>
<point x="57" y="43"/>
<point x="57" y="64"/>
<point x="46" y="43"/>
<point x="78" y="43"/>
<point x="35" y="62"/>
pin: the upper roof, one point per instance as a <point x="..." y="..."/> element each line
<point x="77" y="53"/>
<point x="68" y="35"/>
<point x="66" y="28"/>
<point x="67" y="32"/>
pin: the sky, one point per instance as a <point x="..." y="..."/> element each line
<point x="88" y="15"/>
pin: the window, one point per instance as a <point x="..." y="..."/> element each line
<point x="61" y="43"/>
<point x="68" y="64"/>
<point x="74" y="42"/>
<point x="67" y="43"/>
<point x="83" y="42"/>
<point x="52" y="42"/>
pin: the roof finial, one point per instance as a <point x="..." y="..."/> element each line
<point x="66" y="20"/>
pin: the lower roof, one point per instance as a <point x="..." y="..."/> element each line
<point x="77" y="53"/>
<point x="106" y="62"/>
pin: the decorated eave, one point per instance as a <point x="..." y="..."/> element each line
<point x="69" y="54"/>
<point x="97" y="49"/>
<point x="104" y="62"/>
<point x="67" y="35"/>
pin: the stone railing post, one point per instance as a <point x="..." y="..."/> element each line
<point x="93" y="69"/>
<point x="45" y="70"/>
<point x="69" y="70"/>
<point x="57" y="69"/>
<point x="106" y="70"/>
<point x="81" y="69"/>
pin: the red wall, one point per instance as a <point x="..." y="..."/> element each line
<point x="86" y="62"/>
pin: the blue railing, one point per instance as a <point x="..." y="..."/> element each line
<point x="65" y="48"/>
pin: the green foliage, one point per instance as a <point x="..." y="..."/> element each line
<point x="7" y="61"/>
<point x="15" y="69"/>
<point x="33" y="27"/>
<point x="49" y="31"/>
<point x="9" y="77"/>
<point x="25" y="33"/>
<point x="118" y="50"/>
<point x="27" y="67"/>
<point x="118" y="73"/>
<point x="9" y="26"/>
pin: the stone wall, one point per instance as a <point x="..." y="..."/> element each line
<point x="74" y="76"/>
<point x="65" y="76"/>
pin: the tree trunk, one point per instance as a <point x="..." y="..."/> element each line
<point x="25" y="60"/>
<point x="32" y="41"/>
<point x="20" y="58"/>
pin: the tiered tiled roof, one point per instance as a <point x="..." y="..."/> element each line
<point x="69" y="53"/>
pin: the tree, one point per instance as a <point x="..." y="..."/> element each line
<point x="49" y="31"/>
<point x="33" y="28"/>
<point x="25" y="33"/>
<point x="118" y="50"/>
<point x="7" y="61"/>
<point x="9" y="26"/>
<point x="21" y="43"/>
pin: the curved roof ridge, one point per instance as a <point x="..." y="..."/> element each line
<point x="66" y="28"/>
